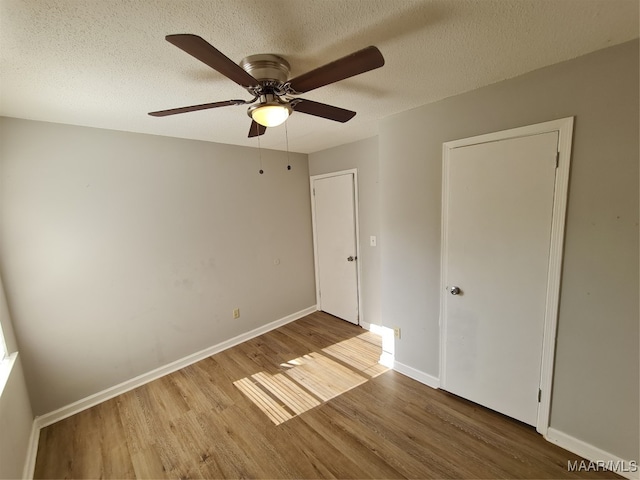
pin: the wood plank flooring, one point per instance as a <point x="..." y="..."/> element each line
<point x="307" y="400"/>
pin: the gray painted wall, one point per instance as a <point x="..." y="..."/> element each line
<point x="363" y="156"/>
<point x="123" y="252"/>
<point x="595" y="397"/>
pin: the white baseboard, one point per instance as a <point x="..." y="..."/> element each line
<point x="594" y="454"/>
<point x="429" y="380"/>
<point x="95" y="399"/>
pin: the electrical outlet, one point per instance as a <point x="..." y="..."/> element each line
<point x="396" y="332"/>
<point x="236" y="313"/>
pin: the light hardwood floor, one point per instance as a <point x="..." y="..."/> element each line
<point x="307" y="400"/>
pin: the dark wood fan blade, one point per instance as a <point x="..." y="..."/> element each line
<point x="323" y="110"/>
<point x="256" y="129"/>
<point x="195" y="108"/>
<point x="202" y="50"/>
<point x="359" y="62"/>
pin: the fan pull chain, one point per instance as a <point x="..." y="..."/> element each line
<point x="286" y="133"/>
<point x="261" y="171"/>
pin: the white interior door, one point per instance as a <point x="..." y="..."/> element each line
<point x="497" y="218"/>
<point x="334" y="216"/>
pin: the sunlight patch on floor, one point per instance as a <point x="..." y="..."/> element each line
<point x="276" y="412"/>
<point x="287" y="391"/>
<point x="315" y="378"/>
<point x="360" y="353"/>
<point x="323" y="377"/>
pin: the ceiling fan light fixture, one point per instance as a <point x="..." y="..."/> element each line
<point x="270" y="114"/>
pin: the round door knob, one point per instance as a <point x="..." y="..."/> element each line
<point x="455" y="291"/>
<point x="350" y="259"/>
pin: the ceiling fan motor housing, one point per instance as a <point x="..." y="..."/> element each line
<point x="266" y="67"/>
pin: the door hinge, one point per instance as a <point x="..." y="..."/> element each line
<point x="539" y="395"/>
<point x="557" y="159"/>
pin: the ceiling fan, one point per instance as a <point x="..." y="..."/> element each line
<point x="266" y="77"/>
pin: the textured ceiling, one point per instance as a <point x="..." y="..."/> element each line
<point x="105" y="63"/>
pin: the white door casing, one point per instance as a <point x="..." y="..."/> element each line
<point x="498" y="334"/>
<point x="335" y="235"/>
